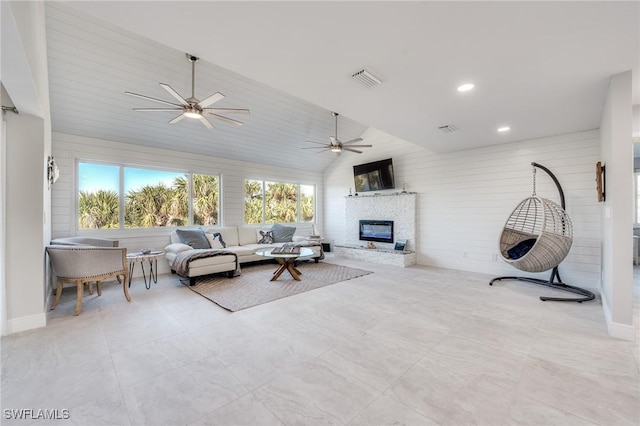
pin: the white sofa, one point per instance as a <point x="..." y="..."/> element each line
<point x="242" y="241"/>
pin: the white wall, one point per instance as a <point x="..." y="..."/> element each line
<point x="26" y="199"/>
<point x="617" y="219"/>
<point x="68" y="149"/>
<point x="465" y="197"/>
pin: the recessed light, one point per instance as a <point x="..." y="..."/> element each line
<point x="465" y="87"/>
<point x="504" y="129"/>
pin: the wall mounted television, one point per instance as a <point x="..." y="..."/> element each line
<point x="374" y="176"/>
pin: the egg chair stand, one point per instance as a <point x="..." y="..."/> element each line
<point x="542" y="233"/>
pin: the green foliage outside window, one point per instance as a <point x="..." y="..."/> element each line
<point x="98" y="209"/>
<point x="252" y="202"/>
<point x="277" y="202"/>
<point x="150" y="205"/>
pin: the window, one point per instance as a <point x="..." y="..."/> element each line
<point x="145" y="198"/>
<point x="253" y="202"/>
<point x="155" y="198"/>
<point x="98" y="196"/>
<point x="278" y="202"/>
<point x="205" y="199"/>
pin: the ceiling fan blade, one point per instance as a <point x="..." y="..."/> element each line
<point x="359" y="146"/>
<point x="352" y="141"/>
<point x="178" y="118"/>
<point x="352" y="150"/>
<point x="315" y="147"/>
<point x="319" y="143"/>
<point x="150" y="98"/>
<point x="211" y="100"/>
<point x="220" y="117"/>
<point x="157" y="109"/>
<point x="206" y="122"/>
<point x="323" y="150"/>
<point x="174" y="94"/>
<point x="227" y="110"/>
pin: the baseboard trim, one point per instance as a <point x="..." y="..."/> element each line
<point x="30" y="322"/>
<point x="615" y="329"/>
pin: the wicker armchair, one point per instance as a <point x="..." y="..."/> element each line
<point x="86" y="264"/>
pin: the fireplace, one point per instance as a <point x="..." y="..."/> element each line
<point x="376" y="230"/>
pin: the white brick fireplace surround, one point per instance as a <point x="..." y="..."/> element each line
<point x="398" y="207"/>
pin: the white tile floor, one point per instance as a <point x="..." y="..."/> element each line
<point x="415" y="346"/>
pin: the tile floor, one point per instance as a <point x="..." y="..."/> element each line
<point x="414" y="346"/>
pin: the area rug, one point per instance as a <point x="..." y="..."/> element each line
<point x="253" y="287"/>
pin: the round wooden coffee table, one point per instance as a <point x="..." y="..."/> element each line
<point x="286" y="260"/>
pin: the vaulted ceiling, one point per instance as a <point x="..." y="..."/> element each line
<point x="541" y="68"/>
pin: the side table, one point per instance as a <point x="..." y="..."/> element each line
<point x="139" y="257"/>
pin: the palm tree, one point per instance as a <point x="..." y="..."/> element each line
<point x="149" y="207"/>
<point x="205" y="199"/>
<point x="98" y="209"/>
<point x="252" y="201"/>
<point x="180" y="201"/>
<point x="307" y="207"/>
<point x="281" y="202"/>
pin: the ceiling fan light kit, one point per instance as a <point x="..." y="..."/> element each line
<point x="191" y="107"/>
<point x="337" y="146"/>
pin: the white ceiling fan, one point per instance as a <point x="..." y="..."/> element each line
<point x="337" y="146"/>
<point x="192" y="107"/>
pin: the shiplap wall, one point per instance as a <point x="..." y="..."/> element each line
<point x="465" y="197"/>
<point x="67" y="149"/>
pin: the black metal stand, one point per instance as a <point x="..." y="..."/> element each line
<point x="551" y="282"/>
<point x="153" y="272"/>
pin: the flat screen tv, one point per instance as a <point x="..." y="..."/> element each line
<point x="374" y="176"/>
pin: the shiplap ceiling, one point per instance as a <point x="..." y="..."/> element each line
<point x="540" y="67"/>
<point x="91" y="65"/>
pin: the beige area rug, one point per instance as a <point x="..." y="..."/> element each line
<point x="253" y="287"/>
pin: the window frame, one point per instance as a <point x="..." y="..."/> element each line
<point x="263" y="182"/>
<point x="124" y="230"/>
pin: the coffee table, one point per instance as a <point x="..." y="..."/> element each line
<point x="286" y="260"/>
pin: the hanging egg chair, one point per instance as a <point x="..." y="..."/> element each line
<point x="537" y="237"/>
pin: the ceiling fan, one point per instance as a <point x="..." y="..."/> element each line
<point x="337" y="146"/>
<point x="192" y="107"/>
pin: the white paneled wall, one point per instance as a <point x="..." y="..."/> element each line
<point x="67" y="149"/>
<point x="465" y="197"/>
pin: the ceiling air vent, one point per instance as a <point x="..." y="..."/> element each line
<point x="367" y="79"/>
<point x="447" y="129"/>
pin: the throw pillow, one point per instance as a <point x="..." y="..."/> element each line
<point x="520" y="249"/>
<point x="282" y="233"/>
<point x="193" y="237"/>
<point x="216" y="241"/>
<point x="266" y="237"/>
<point x="218" y="236"/>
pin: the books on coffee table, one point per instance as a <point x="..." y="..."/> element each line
<point x="285" y="249"/>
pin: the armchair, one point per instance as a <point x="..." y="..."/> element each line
<point x="85" y="264"/>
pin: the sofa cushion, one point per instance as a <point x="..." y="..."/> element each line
<point x="193" y="237"/>
<point x="177" y="248"/>
<point x="282" y="233"/>
<point x="215" y="240"/>
<point x="242" y="250"/>
<point x="246" y="236"/>
<point x="266" y="237"/>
